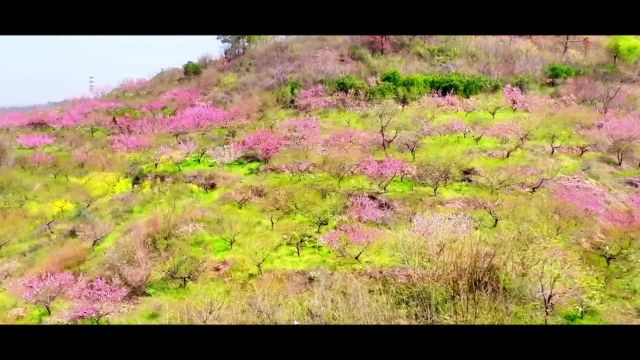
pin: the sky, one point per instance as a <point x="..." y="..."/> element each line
<point x="41" y="69"/>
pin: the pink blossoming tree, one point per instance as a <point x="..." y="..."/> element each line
<point x="129" y="143"/>
<point x="365" y="209"/>
<point x="384" y="171"/>
<point x="95" y="299"/>
<point x="622" y="133"/>
<point x="351" y="240"/>
<point x="35" y="140"/>
<point x="44" y="288"/>
<point x="265" y="143"/>
<point x="313" y="98"/>
<point x="515" y="98"/>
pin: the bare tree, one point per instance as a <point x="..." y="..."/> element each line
<point x="583" y="148"/>
<point x="278" y="204"/>
<point x="434" y="175"/>
<point x="409" y="143"/>
<point x="385" y="116"/>
<point x="498" y="179"/>
<point x="567" y="41"/>
<point x="606" y="98"/>
<point x="552" y="143"/>
<point x="184" y="270"/>
<point x="547" y="282"/>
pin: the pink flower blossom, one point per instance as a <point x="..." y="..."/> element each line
<point x="455" y="126"/>
<point x="264" y="142"/>
<point x="313" y="98"/>
<point x="153" y="106"/>
<point x="618" y="219"/>
<point x="181" y="96"/>
<point x="129" y="143"/>
<point x="383" y="168"/>
<point x="98" y="291"/>
<point x="35" y="140"/>
<point x="449" y="101"/>
<point x="44" y="288"/>
<point x="364" y="208"/>
<point x="515" y="98"/>
<point x="582" y="195"/>
<point x="345" y="138"/>
<point x="350" y="234"/>
<point x="302" y="132"/>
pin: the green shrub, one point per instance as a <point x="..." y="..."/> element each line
<point x="561" y="72"/>
<point x="286" y="94"/>
<point x="358" y="53"/>
<point x="229" y="81"/>
<point x="411" y="87"/>
<point x="191" y="69"/>
<point x="626" y="48"/>
<point x="345" y="84"/>
<point x="443" y="53"/>
<point x="463" y="85"/>
<point x="392" y="77"/>
<point x="350" y="82"/>
<point x="127" y="112"/>
<point x="168" y="111"/>
<point x="383" y="91"/>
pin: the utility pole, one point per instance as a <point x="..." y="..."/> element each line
<point x="91" y="88"/>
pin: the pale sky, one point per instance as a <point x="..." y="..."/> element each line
<point x="41" y="69"/>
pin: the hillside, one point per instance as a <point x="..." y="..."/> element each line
<point x="405" y="179"/>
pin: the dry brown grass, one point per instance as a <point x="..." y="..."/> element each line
<point x="71" y="255"/>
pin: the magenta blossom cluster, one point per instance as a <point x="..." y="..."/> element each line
<point x="582" y="195"/>
<point x="313" y="98"/>
<point x="625" y="128"/>
<point x="619" y="219"/>
<point x="386" y="168"/>
<point x="515" y="98"/>
<point x="154" y="105"/>
<point x="182" y="96"/>
<point x="35" y="140"/>
<point x="365" y="209"/>
<point x="44" y="288"/>
<point x="344" y="138"/>
<point x="199" y="116"/>
<point x="12" y="119"/>
<point x="265" y="143"/>
<point x="455" y="126"/>
<point x="350" y="234"/>
<point x="95" y="299"/>
<point x="448" y="101"/>
<point x="129" y="143"/>
<point x="301" y="132"/>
